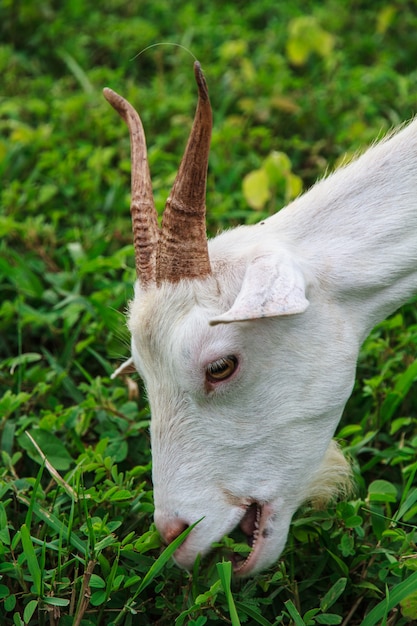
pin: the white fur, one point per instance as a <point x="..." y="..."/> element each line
<point x="293" y="298"/>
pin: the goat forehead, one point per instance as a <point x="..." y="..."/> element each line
<point x="160" y="316"/>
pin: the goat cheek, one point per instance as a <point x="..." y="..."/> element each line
<point x="208" y="386"/>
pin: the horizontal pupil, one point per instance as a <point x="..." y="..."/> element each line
<point x="223" y="367"/>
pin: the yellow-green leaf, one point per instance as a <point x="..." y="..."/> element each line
<point x="277" y="165"/>
<point x="256" y="189"/>
<point x="305" y="36"/>
<point x="385" y="18"/>
<point x="294" y="186"/>
<point x="409" y="606"/>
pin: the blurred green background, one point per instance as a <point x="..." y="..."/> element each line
<point x="295" y="86"/>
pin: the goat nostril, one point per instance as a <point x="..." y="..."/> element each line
<point x="172" y="530"/>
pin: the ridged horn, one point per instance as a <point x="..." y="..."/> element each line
<point x="182" y="248"/>
<point x="142" y="206"/>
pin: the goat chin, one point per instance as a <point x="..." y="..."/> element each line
<point x="332" y="480"/>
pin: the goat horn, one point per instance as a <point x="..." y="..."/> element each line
<point x="142" y="206"/>
<point x="182" y="249"/>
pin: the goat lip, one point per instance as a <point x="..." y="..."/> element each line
<point x="254" y="525"/>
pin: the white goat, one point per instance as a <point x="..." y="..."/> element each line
<point x="248" y="344"/>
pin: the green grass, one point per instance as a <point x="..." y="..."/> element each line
<point x="294" y="86"/>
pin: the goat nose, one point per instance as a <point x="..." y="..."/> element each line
<point x="170" y="530"/>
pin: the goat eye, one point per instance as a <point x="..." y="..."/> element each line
<point x="222" y="368"/>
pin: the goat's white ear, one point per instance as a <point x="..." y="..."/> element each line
<point x="271" y="286"/>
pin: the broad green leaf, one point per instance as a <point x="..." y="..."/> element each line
<point x="148" y="541"/>
<point x="104" y="543"/>
<point x="353" y="521"/>
<point x="294" y="186"/>
<point x="46" y="193"/>
<point x="400" y="423"/>
<point x="333" y="594"/>
<point x="97" y="582"/>
<point x="385" y="18"/>
<point x="6" y="567"/>
<point x="121" y="494"/>
<point x="10" y="402"/>
<point x="382" y="491"/>
<point x="53" y="601"/>
<point x="328" y="618"/>
<point x="410" y="563"/>
<point x="347" y="545"/>
<point x="256" y="189"/>
<point x="17" y="620"/>
<point x="209" y="595"/>
<point x="98" y="597"/>
<point x="132" y="580"/>
<point x="294" y="614"/>
<point x="51" y="446"/>
<point x="30" y="608"/>
<point x="306" y="36"/>
<point x="277" y="165"/>
<point x="233" y="49"/>
<point x="409" y="606"/>
<point x="184" y="614"/>
<point x="378" y="519"/>
<point x="10" y="602"/>
<point x="297" y="50"/>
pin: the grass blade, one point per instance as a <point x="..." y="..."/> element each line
<point x="251" y="612"/>
<point x="225" y="574"/>
<point x="53" y="472"/>
<point x="164" y="558"/>
<point x="28" y="518"/>
<point x="294" y="614"/>
<point x="32" y="561"/>
<point x="53" y="522"/>
<point x="154" y="570"/>
<point x="396" y="595"/>
<point x="333" y="594"/>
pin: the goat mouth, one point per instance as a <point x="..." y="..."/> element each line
<point x="253" y="525"/>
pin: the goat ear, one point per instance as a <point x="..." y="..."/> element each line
<point x="271" y="286"/>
